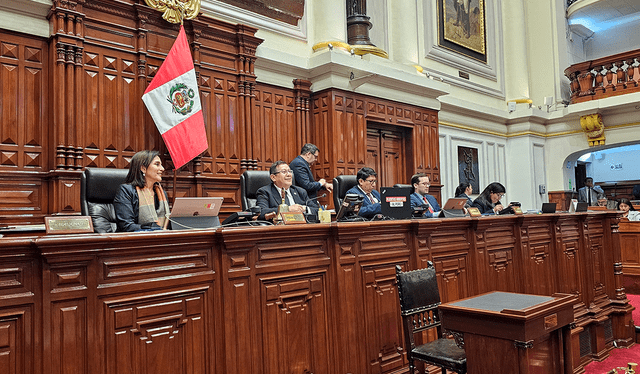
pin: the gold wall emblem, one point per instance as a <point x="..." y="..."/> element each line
<point x="593" y="127"/>
<point x="176" y="11"/>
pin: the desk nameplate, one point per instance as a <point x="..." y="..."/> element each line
<point x="68" y="225"/>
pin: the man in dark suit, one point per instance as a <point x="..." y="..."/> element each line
<point x="420" y="197"/>
<point x="367" y="179"/>
<point x="271" y="196"/>
<point x="589" y="193"/>
<point x="301" y="167"/>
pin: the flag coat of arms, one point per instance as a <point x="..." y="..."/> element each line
<point x="173" y="101"/>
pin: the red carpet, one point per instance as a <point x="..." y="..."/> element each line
<point x="621" y="356"/>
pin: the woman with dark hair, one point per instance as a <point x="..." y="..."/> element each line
<point x="629" y="211"/>
<point x="489" y="200"/>
<point x="463" y="191"/>
<point x="141" y="203"/>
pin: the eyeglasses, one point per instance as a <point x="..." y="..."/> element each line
<point x="498" y="194"/>
<point x="284" y="172"/>
<point x="372" y="181"/>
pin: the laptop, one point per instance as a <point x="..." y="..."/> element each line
<point x="195" y="212"/>
<point x="548" y="207"/>
<point x="396" y="202"/>
<point x="455" y="204"/>
<point x="582" y="207"/>
<point x="453" y="208"/>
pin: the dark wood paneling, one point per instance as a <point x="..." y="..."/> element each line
<point x="74" y="100"/>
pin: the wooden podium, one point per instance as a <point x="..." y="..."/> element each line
<point x="506" y="332"/>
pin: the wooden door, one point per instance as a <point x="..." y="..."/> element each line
<point x="386" y="155"/>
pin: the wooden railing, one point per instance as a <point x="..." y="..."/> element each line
<point x="608" y="76"/>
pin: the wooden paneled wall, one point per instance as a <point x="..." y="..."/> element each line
<point x="296" y="299"/>
<point x="74" y="101"/>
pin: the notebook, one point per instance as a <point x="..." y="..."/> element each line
<point x="195" y="212"/>
<point x="396" y="202"/>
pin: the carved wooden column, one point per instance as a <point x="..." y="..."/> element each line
<point x="247" y="44"/>
<point x="67" y="20"/>
<point x="358" y="24"/>
<point x="142" y="14"/>
<point x="302" y="92"/>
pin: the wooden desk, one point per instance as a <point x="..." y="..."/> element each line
<point x="315" y="298"/>
<point x="513" y="332"/>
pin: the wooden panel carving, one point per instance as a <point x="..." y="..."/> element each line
<point x="537" y="247"/>
<point x="23" y="99"/>
<point x="17" y="347"/>
<point x="160" y="333"/>
<point x="384" y="330"/>
<point x="69" y="335"/>
<point x="297" y="309"/>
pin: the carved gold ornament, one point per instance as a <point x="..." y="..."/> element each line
<point x="593" y="127"/>
<point x="175" y="11"/>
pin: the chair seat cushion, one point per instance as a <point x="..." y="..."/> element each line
<point x="442" y="352"/>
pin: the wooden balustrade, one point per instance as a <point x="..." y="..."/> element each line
<point x="604" y="77"/>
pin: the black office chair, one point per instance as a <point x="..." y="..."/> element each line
<point x="342" y="184"/>
<point x="250" y="182"/>
<point x="419" y="301"/>
<point x="98" y="187"/>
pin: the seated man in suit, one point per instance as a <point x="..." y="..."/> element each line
<point x="589" y="193"/>
<point x="367" y="179"/>
<point x="420" y="197"/>
<point x="271" y="196"/>
<point x="302" y="171"/>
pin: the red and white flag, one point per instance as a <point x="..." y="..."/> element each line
<point x="173" y="101"/>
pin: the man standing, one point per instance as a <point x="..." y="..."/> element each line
<point x="590" y="193"/>
<point x="420" y="197"/>
<point x="271" y="196"/>
<point x="367" y="179"/>
<point x="301" y="167"/>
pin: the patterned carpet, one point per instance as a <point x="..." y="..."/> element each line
<point x="621" y="356"/>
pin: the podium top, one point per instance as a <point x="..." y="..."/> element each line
<point x="498" y="301"/>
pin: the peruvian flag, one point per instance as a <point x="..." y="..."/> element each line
<point x="173" y="101"/>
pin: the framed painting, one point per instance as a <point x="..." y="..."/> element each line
<point x="468" y="167"/>
<point x="461" y="27"/>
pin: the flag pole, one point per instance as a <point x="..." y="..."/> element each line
<point x="175" y="170"/>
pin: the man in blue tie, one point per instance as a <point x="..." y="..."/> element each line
<point x="367" y="179"/>
<point x="420" y="197"/>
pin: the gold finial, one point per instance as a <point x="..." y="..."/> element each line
<point x="176" y="11"/>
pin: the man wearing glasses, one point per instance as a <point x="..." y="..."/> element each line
<point x="301" y="167"/>
<point x="367" y="179"/>
<point x="270" y="197"/>
<point x="420" y="197"/>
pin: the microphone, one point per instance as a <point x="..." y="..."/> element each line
<point x="315" y="198"/>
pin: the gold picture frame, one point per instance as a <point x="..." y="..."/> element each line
<point x="463" y="30"/>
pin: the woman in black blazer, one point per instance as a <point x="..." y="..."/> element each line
<point x="489" y="200"/>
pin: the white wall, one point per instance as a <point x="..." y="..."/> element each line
<point x="615" y="165"/>
<point x="617" y="39"/>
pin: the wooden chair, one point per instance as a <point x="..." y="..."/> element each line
<point x="419" y="301"/>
